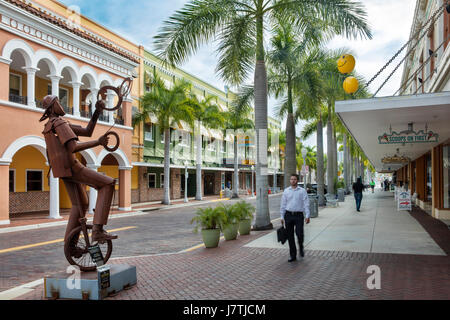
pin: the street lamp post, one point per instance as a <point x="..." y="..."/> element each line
<point x="185" y="181"/>
<point x="253" y="169"/>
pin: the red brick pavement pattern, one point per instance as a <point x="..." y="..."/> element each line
<point x="233" y="271"/>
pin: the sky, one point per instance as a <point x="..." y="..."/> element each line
<point x="140" y="20"/>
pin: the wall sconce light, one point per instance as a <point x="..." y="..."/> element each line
<point x="420" y="80"/>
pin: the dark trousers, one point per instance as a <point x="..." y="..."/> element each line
<point x="292" y="221"/>
<point x="358" y="198"/>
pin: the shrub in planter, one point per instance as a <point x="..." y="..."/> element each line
<point x="231" y="222"/>
<point x="210" y="220"/>
<point x="244" y="211"/>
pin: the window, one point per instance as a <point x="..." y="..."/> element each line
<point x="161" y="180"/>
<point x="148" y="132"/>
<point x="15" y="84"/>
<point x="446" y="174"/>
<point x="63" y="95"/>
<point x="12" y="180"/>
<point x="446" y="30"/>
<point x="163" y="134"/>
<point x="432" y="62"/>
<point x="152" y="180"/>
<point x="184" y="138"/>
<point x="34" y="180"/>
<point x="223" y="146"/>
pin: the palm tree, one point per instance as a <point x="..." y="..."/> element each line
<point x="169" y="105"/>
<point x="208" y="114"/>
<point x="238" y="26"/>
<point x="238" y="118"/>
<point x="289" y="71"/>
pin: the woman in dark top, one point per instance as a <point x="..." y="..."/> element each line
<point x="358" y="189"/>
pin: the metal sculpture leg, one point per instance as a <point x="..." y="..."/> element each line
<point x="79" y="201"/>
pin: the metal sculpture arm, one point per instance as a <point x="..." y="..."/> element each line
<point x="73" y="146"/>
<point x="89" y="129"/>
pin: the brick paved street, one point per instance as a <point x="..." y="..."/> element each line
<point x="237" y="270"/>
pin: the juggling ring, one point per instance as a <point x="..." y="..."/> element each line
<point x="121" y="91"/>
<point x="112" y="149"/>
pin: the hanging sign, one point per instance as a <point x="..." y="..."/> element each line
<point x="404" y="201"/>
<point x="411" y="137"/>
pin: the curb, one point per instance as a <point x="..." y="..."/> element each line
<point x="140" y="212"/>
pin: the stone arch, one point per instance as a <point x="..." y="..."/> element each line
<point x="119" y="155"/>
<point x="90" y="157"/>
<point x="105" y="77"/>
<point x="51" y="60"/>
<point x="71" y="67"/>
<point x="35" y="141"/>
<point x="20" y="45"/>
<point x="90" y="74"/>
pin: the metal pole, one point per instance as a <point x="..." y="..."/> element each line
<point x="185" y="183"/>
<point x="253" y="168"/>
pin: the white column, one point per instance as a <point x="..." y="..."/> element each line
<point x="76" y="97"/>
<point x="110" y="103"/>
<point x="55" y="84"/>
<point x="92" y="192"/>
<point x="94" y="93"/>
<point x="31" y="75"/>
<point x="54" y="197"/>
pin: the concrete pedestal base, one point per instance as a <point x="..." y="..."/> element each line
<point x="87" y="285"/>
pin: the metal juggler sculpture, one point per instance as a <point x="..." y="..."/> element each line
<point x="61" y="138"/>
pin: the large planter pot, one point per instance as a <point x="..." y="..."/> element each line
<point x="230" y="231"/>
<point x="245" y="226"/>
<point x="211" y="237"/>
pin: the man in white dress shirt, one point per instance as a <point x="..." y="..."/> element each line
<point x="294" y="209"/>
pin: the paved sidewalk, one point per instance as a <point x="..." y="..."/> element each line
<point x="378" y="228"/>
<point x="240" y="270"/>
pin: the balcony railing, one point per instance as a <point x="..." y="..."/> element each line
<point x="18" y="99"/>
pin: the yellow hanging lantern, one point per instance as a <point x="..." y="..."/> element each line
<point x="346" y="63"/>
<point x="350" y="85"/>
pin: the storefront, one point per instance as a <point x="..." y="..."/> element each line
<point x="408" y="136"/>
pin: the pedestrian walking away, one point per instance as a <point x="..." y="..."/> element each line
<point x="294" y="212"/>
<point x="372" y="185"/>
<point x="358" y="189"/>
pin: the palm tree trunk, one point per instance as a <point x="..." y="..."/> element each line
<point x="198" y="158"/>
<point x="166" y="166"/>
<point x="362" y="170"/>
<point x="346" y="164"/>
<point x="290" y="164"/>
<point x="351" y="170"/>
<point x="330" y="156"/>
<point x="262" y="220"/>
<point x="320" y="169"/>
<point x="236" y="170"/>
<point x="335" y="158"/>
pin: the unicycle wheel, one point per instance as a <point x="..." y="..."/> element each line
<point x="76" y="249"/>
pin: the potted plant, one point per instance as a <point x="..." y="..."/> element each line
<point x="230" y="224"/>
<point x="210" y="220"/>
<point x="244" y="211"/>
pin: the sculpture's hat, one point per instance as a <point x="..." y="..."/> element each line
<point x="47" y="103"/>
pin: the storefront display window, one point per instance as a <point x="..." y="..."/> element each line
<point x="429" y="182"/>
<point x="446" y="174"/>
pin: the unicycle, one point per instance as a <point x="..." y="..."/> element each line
<point x="77" y="244"/>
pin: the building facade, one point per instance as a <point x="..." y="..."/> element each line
<point x="45" y="50"/>
<point x="408" y="135"/>
<point x="49" y="48"/>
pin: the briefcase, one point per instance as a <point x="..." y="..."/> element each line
<point x="282" y="234"/>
